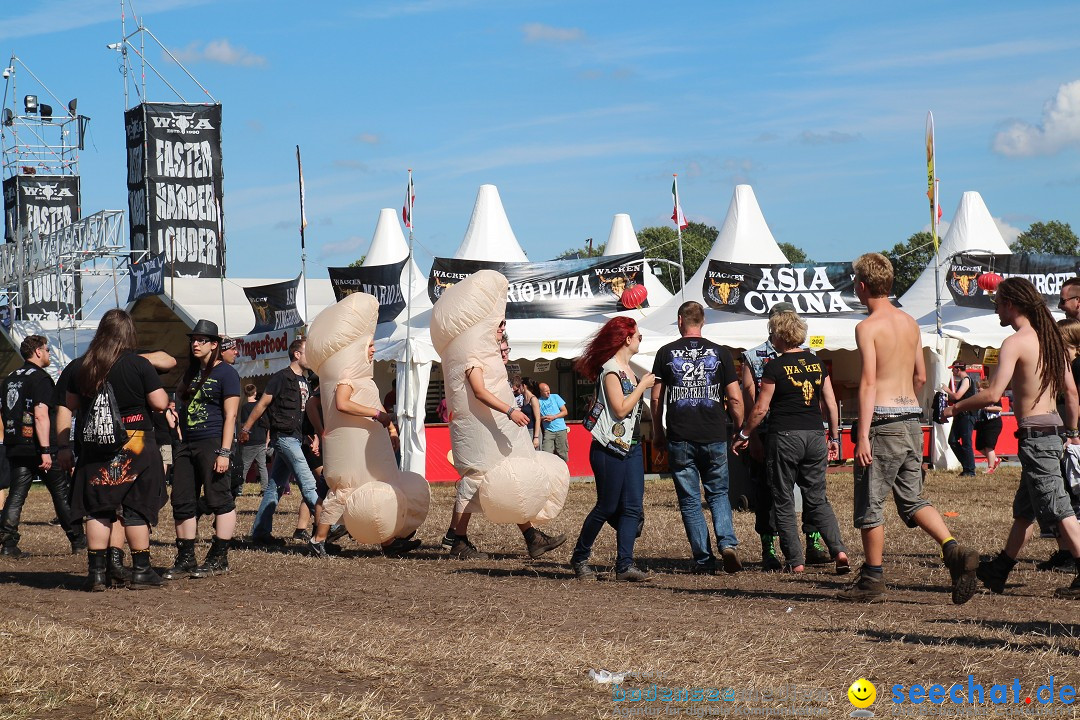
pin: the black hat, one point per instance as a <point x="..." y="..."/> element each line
<point x="207" y="328"/>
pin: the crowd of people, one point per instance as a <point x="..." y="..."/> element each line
<point x="105" y="437"/>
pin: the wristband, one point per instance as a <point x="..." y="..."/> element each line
<point x="1071" y="433"/>
<point x="835" y="440"/>
<point x="378" y="416"/>
<point x="48" y="450"/>
<point x="223" y="452"/>
<point x="510" y="410"/>
<point x="743" y="436"/>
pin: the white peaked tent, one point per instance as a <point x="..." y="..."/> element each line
<point x="621" y="240"/>
<point x="972" y="230"/>
<point x="489" y="235"/>
<point x="388" y="246"/>
<point x="744" y="237"/>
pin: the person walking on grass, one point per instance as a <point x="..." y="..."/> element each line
<point x="210" y="393"/>
<point x="888" y="447"/>
<point x="987" y="430"/>
<point x="615" y="453"/>
<point x="1034" y="361"/>
<point x="284" y="399"/>
<point x="694" y="378"/>
<point x="131" y="479"/>
<point x="793" y="392"/>
<point x="963" y="424"/>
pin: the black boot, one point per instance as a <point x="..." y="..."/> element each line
<point x="185" y="560"/>
<point x="217" y="560"/>
<point x="119" y="576"/>
<point x="994" y="573"/>
<point x="142" y="575"/>
<point x="95" y="577"/>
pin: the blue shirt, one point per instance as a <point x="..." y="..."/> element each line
<point x="552" y="405"/>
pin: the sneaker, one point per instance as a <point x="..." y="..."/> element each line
<point x="301" y="535"/>
<point x="317" y="549"/>
<point x="633" y="574"/>
<point x="539" y="543"/>
<point x="336" y="533"/>
<point x="583" y="571"/>
<point x="962" y="564"/>
<point x="267" y="541"/>
<point x="1060" y="561"/>
<point x="868" y="587"/>
<point x="732" y="564"/>
<point x="400" y="547"/>
<point x="994" y="573"/>
<point x="967" y="474"/>
<point x="463" y="549"/>
<point x="705" y="568"/>
<point x="1069" y="593"/>
<point x="449" y="538"/>
<point x="816" y="551"/>
<point x="843" y="566"/>
<point x="770" y="561"/>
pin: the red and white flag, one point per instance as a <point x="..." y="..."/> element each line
<point x="410" y="198"/>
<point x="677" y="215"/>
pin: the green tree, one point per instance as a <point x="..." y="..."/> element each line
<point x="794" y="253"/>
<point x="588" y="250"/>
<point x="909" y="259"/>
<point x="663" y="242"/>
<point x="1051" y="237"/>
<point x="358" y="263"/>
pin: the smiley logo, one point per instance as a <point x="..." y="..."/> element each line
<point x="862" y="693"/>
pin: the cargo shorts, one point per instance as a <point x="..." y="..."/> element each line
<point x="1041" y="494"/>
<point x="897" y="468"/>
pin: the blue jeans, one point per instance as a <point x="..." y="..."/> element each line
<point x="963" y="425"/>
<point x="620" y="491"/>
<point x="693" y="466"/>
<point x="288" y="458"/>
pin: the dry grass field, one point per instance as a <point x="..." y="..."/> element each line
<point x="363" y="636"/>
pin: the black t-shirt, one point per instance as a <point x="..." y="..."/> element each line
<point x="204" y="416"/>
<point x="258" y="431"/>
<point x="34" y="386"/>
<point x="132" y="379"/>
<point x="290" y="394"/>
<point x="1076" y="370"/>
<point x="695" y="373"/>
<point x="798" y="377"/>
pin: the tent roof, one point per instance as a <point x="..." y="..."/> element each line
<point x="972" y="230"/>
<point x="388" y="246"/>
<point x="489" y="235"/>
<point x="621" y="240"/>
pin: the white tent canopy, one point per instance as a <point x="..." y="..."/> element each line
<point x="489" y="235"/>
<point x="621" y="240"/>
<point x="388" y="246"/>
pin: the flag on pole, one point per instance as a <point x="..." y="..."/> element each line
<point x="410" y="198"/>
<point x="677" y="215"/>
<point x="931" y="179"/>
<point x="303" y="213"/>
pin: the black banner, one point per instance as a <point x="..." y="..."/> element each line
<point x="1046" y="272"/>
<point x="555" y="289"/>
<point x="147" y="278"/>
<point x="382" y="281"/>
<point x="42" y="204"/>
<point x="175" y="185"/>
<point x="813" y="288"/>
<point x="274" y="306"/>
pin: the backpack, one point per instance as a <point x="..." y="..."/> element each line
<point x="101" y="431"/>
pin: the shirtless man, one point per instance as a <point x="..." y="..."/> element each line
<point x="888" y="447"/>
<point x="1034" y="360"/>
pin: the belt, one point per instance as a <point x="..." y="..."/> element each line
<point x="1038" y="431"/>
<point x="885" y="420"/>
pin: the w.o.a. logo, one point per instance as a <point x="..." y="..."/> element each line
<point x="724" y="293"/>
<point x="963" y="284"/>
<point x="183" y="123"/>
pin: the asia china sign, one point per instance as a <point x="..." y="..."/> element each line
<point x="813" y="288"/>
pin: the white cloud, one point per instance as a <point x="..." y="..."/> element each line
<point x="833" y="137"/>
<point x="539" y="32"/>
<point x="53" y="17"/>
<point x="1059" y="127"/>
<point x="368" y="138"/>
<point x="220" y="51"/>
<point x="353" y="246"/>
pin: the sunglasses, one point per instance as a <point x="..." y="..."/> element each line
<point x="200" y="341"/>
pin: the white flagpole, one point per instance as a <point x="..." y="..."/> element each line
<point x="678" y="229"/>
<point x="406" y="455"/>
<point x="303" y="245"/>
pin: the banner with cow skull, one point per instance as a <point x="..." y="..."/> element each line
<point x="147" y="278"/>
<point x="813" y="288"/>
<point x="274" y="306"/>
<point x="554" y="289"/>
<point x="1046" y="272"/>
<point x="381" y="281"/>
<point x="174" y="184"/>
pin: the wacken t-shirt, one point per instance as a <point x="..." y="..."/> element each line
<point x="204" y="418"/>
<point x="798" y="377"/>
<point x="695" y="372"/>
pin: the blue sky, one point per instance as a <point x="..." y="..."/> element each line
<point x="578" y="111"/>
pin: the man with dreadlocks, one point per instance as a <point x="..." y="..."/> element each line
<point x="1034" y="359"/>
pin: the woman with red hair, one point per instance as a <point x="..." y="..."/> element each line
<point x="615" y="454"/>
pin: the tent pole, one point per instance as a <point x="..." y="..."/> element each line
<point x="406" y="453"/>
